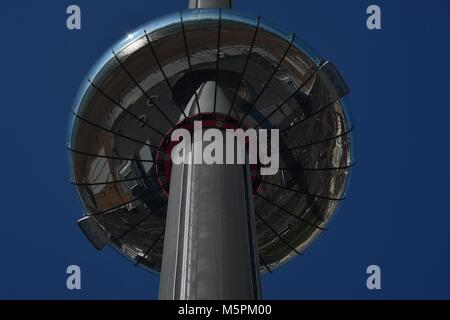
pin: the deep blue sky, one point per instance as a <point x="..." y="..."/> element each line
<point x="397" y="214"/>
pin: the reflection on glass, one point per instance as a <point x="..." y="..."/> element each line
<point x="137" y="94"/>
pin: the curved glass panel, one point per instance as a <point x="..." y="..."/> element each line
<point x="146" y="83"/>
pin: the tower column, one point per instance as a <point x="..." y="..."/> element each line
<point x="209" y="243"/>
<point x="197" y="4"/>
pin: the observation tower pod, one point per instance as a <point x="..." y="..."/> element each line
<point x="209" y="230"/>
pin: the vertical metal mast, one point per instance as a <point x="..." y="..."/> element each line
<point x="209" y="244"/>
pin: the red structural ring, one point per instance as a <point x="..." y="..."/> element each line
<point x="209" y="120"/>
